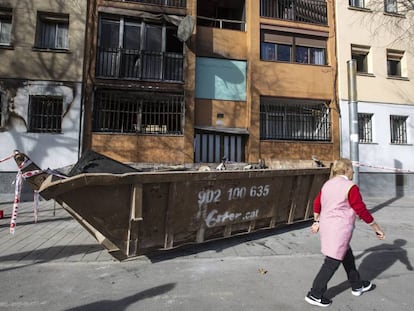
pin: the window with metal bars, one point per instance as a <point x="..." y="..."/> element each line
<point x="365" y="127"/>
<point x="52" y="31"/>
<point x="138" y="112"/>
<point x="212" y="147"/>
<point x="398" y="126"/>
<point x="293" y="119"/>
<point x="45" y="114"/>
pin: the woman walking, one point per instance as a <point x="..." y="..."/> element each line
<point x="335" y="209"/>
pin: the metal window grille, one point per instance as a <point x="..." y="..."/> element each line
<point x="52" y="31"/>
<point x="45" y="114"/>
<point x="365" y="127"/>
<point x="138" y="112"/>
<point x="398" y="125"/>
<point x="308" y="11"/>
<point x="173" y="3"/>
<point x="290" y="119"/>
<point x="212" y="147"/>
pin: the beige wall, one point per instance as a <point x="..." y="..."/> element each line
<point x="374" y="28"/>
<point x="24" y="61"/>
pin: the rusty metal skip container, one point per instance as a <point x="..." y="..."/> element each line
<point x="134" y="213"/>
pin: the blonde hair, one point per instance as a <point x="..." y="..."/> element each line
<point x="340" y="166"/>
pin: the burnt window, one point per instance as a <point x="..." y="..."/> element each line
<point x="138" y="112"/>
<point x="226" y="14"/>
<point x="52" y="31"/>
<point x="45" y="114"/>
<point x="294" y="119"/>
<point x="135" y="49"/>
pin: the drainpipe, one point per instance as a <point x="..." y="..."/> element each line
<point x="353" y="117"/>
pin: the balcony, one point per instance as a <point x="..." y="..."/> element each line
<point x="171" y="3"/>
<point x="307" y="11"/>
<point x="140" y="65"/>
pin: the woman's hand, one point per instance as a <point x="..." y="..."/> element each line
<point x="315" y="227"/>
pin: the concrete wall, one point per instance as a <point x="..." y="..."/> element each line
<point x="26" y="70"/>
<point x="388" y="168"/>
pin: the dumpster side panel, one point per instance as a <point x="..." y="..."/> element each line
<point x="104" y="207"/>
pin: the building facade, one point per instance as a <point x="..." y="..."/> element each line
<point x="41" y="73"/>
<point x="378" y="35"/>
<point x="199" y="81"/>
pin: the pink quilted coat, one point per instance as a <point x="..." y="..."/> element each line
<point x="337" y="218"/>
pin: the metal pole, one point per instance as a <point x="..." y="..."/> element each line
<point x="353" y="117"/>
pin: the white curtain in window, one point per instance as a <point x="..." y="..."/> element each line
<point x="319" y="55"/>
<point x="62" y="36"/>
<point x="5" y="32"/>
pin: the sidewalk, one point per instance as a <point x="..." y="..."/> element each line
<point x="57" y="265"/>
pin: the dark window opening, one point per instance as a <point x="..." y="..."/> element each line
<point x="52" y="31"/>
<point x="139" y="50"/>
<point x="138" y="112"/>
<point x="225" y="14"/>
<point x="6" y="15"/>
<point x="292" y="119"/>
<point x="360" y="54"/>
<point x="45" y="114"/>
<point x="357" y="3"/>
<point x="398" y="126"/>
<point x="212" y="147"/>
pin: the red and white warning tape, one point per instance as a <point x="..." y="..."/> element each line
<point x="393" y="169"/>
<point x="18" y="189"/>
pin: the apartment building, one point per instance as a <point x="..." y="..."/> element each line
<point x="41" y="69"/>
<point x="196" y="81"/>
<point x="378" y="35"/>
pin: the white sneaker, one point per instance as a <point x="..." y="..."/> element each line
<point x="366" y="286"/>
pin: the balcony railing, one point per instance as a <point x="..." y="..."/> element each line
<point x="308" y="11"/>
<point x="221" y="23"/>
<point x="172" y="3"/>
<point x="139" y="65"/>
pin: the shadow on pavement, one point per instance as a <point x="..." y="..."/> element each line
<point x="221" y="244"/>
<point x="43" y="255"/>
<point x="124" y="303"/>
<point x="377" y="260"/>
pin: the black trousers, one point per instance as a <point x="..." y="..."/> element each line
<point x="329" y="266"/>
